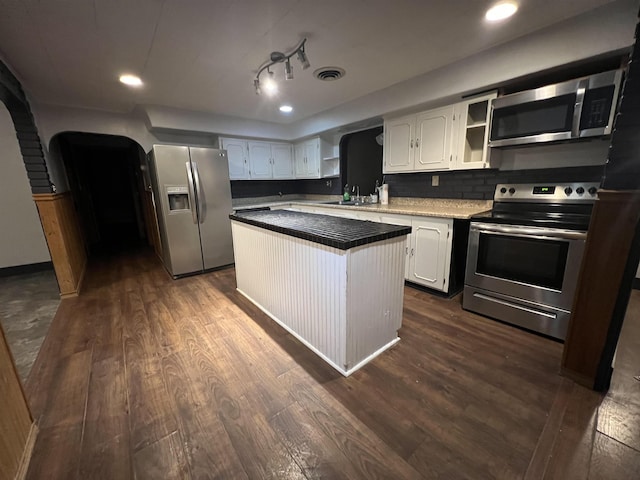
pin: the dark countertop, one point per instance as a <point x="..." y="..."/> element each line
<point x="336" y="232"/>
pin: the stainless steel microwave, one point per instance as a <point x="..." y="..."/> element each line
<point x="584" y="107"/>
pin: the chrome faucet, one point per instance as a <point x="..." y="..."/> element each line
<point x="356" y="190"/>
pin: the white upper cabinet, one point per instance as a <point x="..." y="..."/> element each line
<point x="260" y="161"/>
<point x="269" y="161"/>
<point x="432" y="148"/>
<point x="282" y="160"/>
<point x="313" y="159"/>
<point x="237" y="155"/>
<point x="473" y="133"/>
<point x="307" y="158"/>
<point x="421" y="142"/>
<point x="399" y="138"/>
<point x="451" y="137"/>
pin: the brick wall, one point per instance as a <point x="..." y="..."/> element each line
<point x="13" y="97"/>
<point x="265" y="188"/>
<point x="481" y="184"/>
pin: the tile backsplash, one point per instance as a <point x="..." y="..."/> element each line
<point x="265" y="188"/>
<point x="481" y="184"/>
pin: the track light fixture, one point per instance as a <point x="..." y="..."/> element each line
<point x="269" y="84"/>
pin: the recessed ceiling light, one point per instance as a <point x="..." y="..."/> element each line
<point x="131" y="80"/>
<point x="500" y="11"/>
<point x="286" y="108"/>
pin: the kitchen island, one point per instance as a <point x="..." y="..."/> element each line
<point x="335" y="283"/>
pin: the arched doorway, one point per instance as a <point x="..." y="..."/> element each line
<point x="106" y="183"/>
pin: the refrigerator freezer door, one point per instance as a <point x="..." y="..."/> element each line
<point x="178" y="218"/>
<point x="211" y="172"/>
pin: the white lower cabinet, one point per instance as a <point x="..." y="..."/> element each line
<point x="430" y="252"/>
<point x="428" y="249"/>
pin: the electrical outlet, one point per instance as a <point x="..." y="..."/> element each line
<point x="435" y="180"/>
<point x="329" y="183"/>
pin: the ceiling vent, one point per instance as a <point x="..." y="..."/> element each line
<point x="329" y="74"/>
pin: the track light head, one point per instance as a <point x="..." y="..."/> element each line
<point x="302" y="56"/>
<point x="270" y="85"/>
<point x="288" y="70"/>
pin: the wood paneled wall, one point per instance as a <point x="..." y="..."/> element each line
<point x="65" y="240"/>
<point x="17" y="429"/>
<point x="611" y="232"/>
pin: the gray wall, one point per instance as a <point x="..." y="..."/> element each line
<point x="21" y="238"/>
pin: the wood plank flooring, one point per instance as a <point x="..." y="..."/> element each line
<point x="145" y="377"/>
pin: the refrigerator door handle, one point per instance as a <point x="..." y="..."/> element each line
<point x="202" y="205"/>
<point x="192" y="195"/>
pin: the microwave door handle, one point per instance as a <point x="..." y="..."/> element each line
<point x="577" y="110"/>
<point x="192" y="194"/>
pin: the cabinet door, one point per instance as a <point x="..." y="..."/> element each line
<point x="433" y="137"/>
<point x="282" y="158"/>
<point x="312" y="158"/>
<point x="260" y="160"/>
<point x="430" y="253"/>
<point x="473" y="133"/>
<point x="237" y="157"/>
<point x="399" y="145"/>
<point x="405" y="221"/>
<point x="298" y="160"/>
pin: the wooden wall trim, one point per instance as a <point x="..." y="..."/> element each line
<point x="64" y="238"/>
<point x="16" y="421"/>
<point x="611" y="233"/>
<point x="28" y="451"/>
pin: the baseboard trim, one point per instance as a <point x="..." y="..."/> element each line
<point x="76" y="292"/>
<point x="21" y="474"/>
<point x="29" y="268"/>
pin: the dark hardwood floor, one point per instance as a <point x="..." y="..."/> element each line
<point x="142" y="376"/>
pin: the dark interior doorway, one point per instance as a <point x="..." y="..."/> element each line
<point x="106" y="184"/>
<point x="361" y="160"/>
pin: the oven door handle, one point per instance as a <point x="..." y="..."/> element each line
<point x="528" y="231"/>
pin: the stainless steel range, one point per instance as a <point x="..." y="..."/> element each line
<point x="524" y="256"/>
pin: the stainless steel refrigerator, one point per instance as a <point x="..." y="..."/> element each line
<point x="192" y="193"/>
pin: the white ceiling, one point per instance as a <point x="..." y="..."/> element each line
<point x="203" y="54"/>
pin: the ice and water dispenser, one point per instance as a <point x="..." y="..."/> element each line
<point x="178" y="199"/>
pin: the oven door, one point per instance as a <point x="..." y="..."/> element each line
<point x="538" y="265"/>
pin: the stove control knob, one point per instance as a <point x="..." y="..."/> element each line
<point x="503" y="190"/>
<point x="593" y="190"/>
<point x="579" y="190"/>
<point x="568" y="190"/>
<point x="512" y="190"/>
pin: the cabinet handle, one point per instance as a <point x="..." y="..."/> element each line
<point x="412" y="252"/>
<point x="417" y="142"/>
<point x="411" y="143"/>
<point x="406" y="250"/>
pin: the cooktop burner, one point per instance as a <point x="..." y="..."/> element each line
<point x="565" y="206"/>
